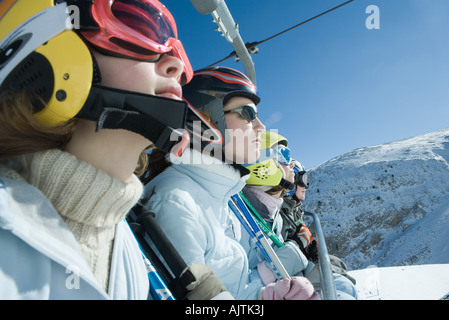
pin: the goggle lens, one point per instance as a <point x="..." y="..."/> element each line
<point x="301" y="179"/>
<point x="143" y="18"/>
<point x="283" y="155"/>
<point x="138" y="29"/>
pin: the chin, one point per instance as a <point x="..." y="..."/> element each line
<point x="253" y="157"/>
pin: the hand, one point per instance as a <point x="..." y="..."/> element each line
<point x="311" y="251"/>
<point x="202" y="283"/>
<point x="304" y="235"/>
<point x="298" y="288"/>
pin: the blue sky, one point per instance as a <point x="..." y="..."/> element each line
<point x="332" y="85"/>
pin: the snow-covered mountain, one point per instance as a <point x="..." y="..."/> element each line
<point x="386" y="205"/>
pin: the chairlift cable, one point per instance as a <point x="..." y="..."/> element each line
<point x="304" y="22"/>
<point x="253" y="44"/>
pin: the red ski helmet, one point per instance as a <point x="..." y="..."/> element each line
<point x="212" y="87"/>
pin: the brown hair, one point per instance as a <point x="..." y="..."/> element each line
<point x="156" y="164"/>
<point x="276" y="189"/>
<point x="21" y="133"/>
<point x="142" y="163"/>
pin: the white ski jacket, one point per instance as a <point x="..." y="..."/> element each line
<point x="40" y="258"/>
<point x="190" y="202"/>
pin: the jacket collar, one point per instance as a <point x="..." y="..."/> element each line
<point x="218" y="178"/>
<point x="32" y="218"/>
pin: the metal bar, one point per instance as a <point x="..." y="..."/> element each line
<point x="326" y="276"/>
<point x="223" y="18"/>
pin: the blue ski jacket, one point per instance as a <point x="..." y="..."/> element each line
<point x="40" y="258"/>
<point x="190" y="202"/>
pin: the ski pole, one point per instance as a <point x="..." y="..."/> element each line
<point x="263" y="240"/>
<point x="158" y="288"/>
<point x="166" y="248"/>
<point x="173" y="265"/>
<point x="255" y="237"/>
<point x="259" y="238"/>
<point x="261" y="223"/>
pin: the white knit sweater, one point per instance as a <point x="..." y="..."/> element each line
<point x="90" y="201"/>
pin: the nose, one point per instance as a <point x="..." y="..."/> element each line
<point x="170" y="66"/>
<point x="291" y="174"/>
<point x="258" y="125"/>
<point x="289" y="169"/>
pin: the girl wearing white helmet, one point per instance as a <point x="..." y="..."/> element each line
<point x="266" y="194"/>
<point x="270" y="180"/>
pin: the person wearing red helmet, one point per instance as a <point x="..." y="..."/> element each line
<point x="190" y="194"/>
<point x="78" y="110"/>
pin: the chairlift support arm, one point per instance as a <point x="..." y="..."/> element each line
<point x="324" y="263"/>
<point x="229" y="29"/>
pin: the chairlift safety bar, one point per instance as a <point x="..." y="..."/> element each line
<point x="326" y="276"/>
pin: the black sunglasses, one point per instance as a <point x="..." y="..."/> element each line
<point x="247" y="112"/>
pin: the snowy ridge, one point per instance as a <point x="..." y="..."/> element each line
<point x="386" y="205"/>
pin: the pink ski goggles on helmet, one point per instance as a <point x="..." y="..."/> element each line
<point x="138" y="29"/>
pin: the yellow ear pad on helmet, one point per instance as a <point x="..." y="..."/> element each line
<point x="265" y="173"/>
<point x="72" y="68"/>
<point x="59" y="71"/>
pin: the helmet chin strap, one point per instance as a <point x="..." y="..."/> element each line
<point x="287" y="184"/>
<point x="160" y="120"/>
